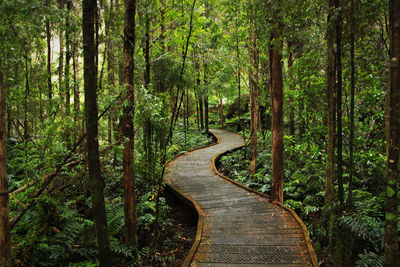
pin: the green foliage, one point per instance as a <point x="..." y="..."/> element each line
<point x="369" y="229"/>
<point x="370" y="259"/>
<point x="58" y="229"/>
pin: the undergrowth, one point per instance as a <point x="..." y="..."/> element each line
<point x="59" y="229"/>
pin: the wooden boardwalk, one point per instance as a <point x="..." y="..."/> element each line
<point x="236" y="227"/>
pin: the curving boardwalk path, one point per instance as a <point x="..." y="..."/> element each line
<point x="236" y="227"/>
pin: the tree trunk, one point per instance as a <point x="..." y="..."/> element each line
<point x="239" y="87"/>
<point x="339" y="107"/>
<point x="277" y="115"/>
<point x="147" y="129"/>
<point x="197" y="109"/>
<point x="349" y="203"/>
<point x="9" y="121"/>
<point x="200" y="99"/>
<point x="187" y="110"/>
<point x="221" y="109"/>
<point x="253" y="82"/>
<point x="128" y="127"/>
<point x="61" y="64"/>
<point x="96" y="181"/>
<point x="291" y="105"/>
<point x="26" y="97"/>
<point x="76" y="92"/>
<point x="110" y="66"/>
<point x="205" y="98"/>
<point x="147" y="51"/>
<point x="67" y="60"/>
<point x="162" y="28"/>
<point x="5" y="239"/>
<point x="329" y="191"/>
<point x="48" y="39"/>
<point x="352" y="89"/>
<point x="339" y="236"/>
<point x="393" y="144"/>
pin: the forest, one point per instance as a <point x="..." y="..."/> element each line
<point x="97" y="96"/>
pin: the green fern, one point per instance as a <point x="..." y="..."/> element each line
<point x="368" y="228"/>
<point x="370" y="259"/>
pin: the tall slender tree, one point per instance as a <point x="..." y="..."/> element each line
<point x="96" y="180"/>
<point x="253" y="83"/>
<point x="339" y="133"/>
<point x="61" y="5"/>
<point x="48" y="40"/>
<point x="352" y="89"/>
<point x="67" y="57"/>
<point x="329" y="191"/>
<point x="5" y="243"/>
<point x="349" y="201"/>
<point x="277" y="110"/>
<point x="291" y="87"/>
<point x="393" y="138"/>
<point x="128" y="126"/>
<point x="339" y="109"/>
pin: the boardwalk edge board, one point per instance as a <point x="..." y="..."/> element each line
<point x="193" y="203"/>
<point x="292" y="212"/>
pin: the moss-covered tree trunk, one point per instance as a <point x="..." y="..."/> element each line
<point x="96" y="180"/>
<point x="393" y="138"/>
<point x="5" y="243"/>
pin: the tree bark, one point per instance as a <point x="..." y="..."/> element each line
<point x="277" y="116"/>
<point x="291" y="107"/>
<point x="110" y="65"/>
<point x="147" y="51"/>
<point x="200" y="98"/>
<point x="206" y="111"/>
<point x="238" y="69"/>
<point x="5" y="239"/>
<point x="329" y="191"/>
<point x="96" y="181"/>
<point x="253" y="83"/>
<point x="339" y="109"/>
<point x="349" y="203"/>
<point x="352" y="89"/>
<point x="9" y="121"/>
<point x="67" y="60"/>
<point x="61" y="64"/>
<point x="393" y="138"/>
<point x="196" y="98"/>
<point x="26" y="98"/>
<point x="48" y="39"/>
<point x="76" y="93"/>
<point x="128" y="126"/>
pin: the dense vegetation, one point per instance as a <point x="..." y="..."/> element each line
<point x="97" y="95"/>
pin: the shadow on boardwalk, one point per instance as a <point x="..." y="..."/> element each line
<point x="236" y="227"/>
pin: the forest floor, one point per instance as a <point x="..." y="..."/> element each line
<point x="185" y="222"/>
